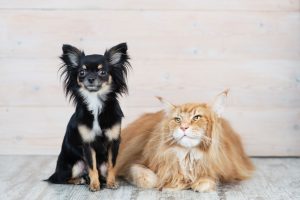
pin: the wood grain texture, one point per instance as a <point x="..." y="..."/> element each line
<point x="253" y="83"/>
<point x="233" y="5"/>
<point x="153" y="35"/>
<point x="40" y="130"/>
<point x="21" y="178"/>
<point x="264" y="109"/>
<point x="185" y="51"/>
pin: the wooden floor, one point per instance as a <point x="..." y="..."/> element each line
<point x="20" y="178"/>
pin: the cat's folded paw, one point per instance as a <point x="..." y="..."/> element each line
<point x="142" y="177"/>
<point x="112" y="185"/>
<point x="205" y="185"/>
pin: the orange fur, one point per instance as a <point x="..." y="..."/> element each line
<point x="151" y="157"/>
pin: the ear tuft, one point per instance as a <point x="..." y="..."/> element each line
<point x="118" y="60"/>
<point x="167" y="105"/>
<point x="218" y="105"/>
<point x="225" y="92"/>
<point x="159" y="98"/>
<point x="71" y="55"/>
<point x="117" y="54"/>
<point x="71" y="60"/>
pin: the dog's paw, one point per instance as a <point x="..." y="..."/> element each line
<point x="77" y="181"/>
<point x="112" y="185"/>
<point x="94" y="186"/>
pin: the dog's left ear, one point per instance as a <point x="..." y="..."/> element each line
<point x="117" y="55"/>
<point x="71" y="55"/>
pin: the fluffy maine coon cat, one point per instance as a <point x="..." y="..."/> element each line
<point x="182" y="147"/>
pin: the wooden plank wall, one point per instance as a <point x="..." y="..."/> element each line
<point x="184" y="50"/>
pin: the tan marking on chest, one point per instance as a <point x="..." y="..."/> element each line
<point x="113" y="132"/>
<point x="87" y="134"/>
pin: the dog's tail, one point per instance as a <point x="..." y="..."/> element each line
<point x="58" y="178"/>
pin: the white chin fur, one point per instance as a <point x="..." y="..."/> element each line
<point x="190" y="140"/>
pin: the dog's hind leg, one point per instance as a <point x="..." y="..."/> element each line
<point x="77" y="181"/>
<point x="78" y="173"/>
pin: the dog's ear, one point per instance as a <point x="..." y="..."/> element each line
<point x="118" y="59"/>
<point x="117" y="55"/>
<point x="71" y="55"/>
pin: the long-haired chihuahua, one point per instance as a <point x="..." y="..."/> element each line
<point x="91" y="142"/>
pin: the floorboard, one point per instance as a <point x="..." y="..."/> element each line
<point x="21" y="178"/>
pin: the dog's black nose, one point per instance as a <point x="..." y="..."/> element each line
<point x="91" y="80"/>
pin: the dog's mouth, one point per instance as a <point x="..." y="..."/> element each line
<point x="93" y="88"/>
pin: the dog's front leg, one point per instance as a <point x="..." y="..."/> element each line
<point x="90" y="158"/>
<point x="113" y="135"/>
<point x="112" y="156"/>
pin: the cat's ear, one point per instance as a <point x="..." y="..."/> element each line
<point x="218" y="104"/>
<point x="71" y="55"/>
<point x="167" y="105"/>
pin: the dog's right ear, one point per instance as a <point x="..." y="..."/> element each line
<point x="117" y="55"/>
<point x="71" y="55"/>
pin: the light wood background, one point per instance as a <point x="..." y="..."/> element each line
<point x="184" y="50"/>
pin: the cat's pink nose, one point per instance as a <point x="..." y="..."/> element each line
<point x="184" y="127"/>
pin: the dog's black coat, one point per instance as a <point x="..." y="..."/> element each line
<point x="74" y="148"/>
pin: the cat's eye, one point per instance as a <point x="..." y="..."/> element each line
<point x="195" y="118"/>
<point x="102" y="73"/>
<point x="177" y="119"/>
<point x="82" y="72"/>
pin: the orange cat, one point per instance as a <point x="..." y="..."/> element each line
<point x="182" y="147"/>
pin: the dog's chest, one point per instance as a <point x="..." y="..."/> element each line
<point x="95" y="105"/>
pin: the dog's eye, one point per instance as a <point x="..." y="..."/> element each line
<point x="177" y="119"/>
<point x="82" y="72"/>
<point x="195" y="118"/>
<point x="102" y="73"/>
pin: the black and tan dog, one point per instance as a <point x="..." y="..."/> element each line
<point x="92" y="138"/>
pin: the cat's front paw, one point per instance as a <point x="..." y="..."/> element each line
<point x="112" y="185"/>
<point x="204" y="185"/>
